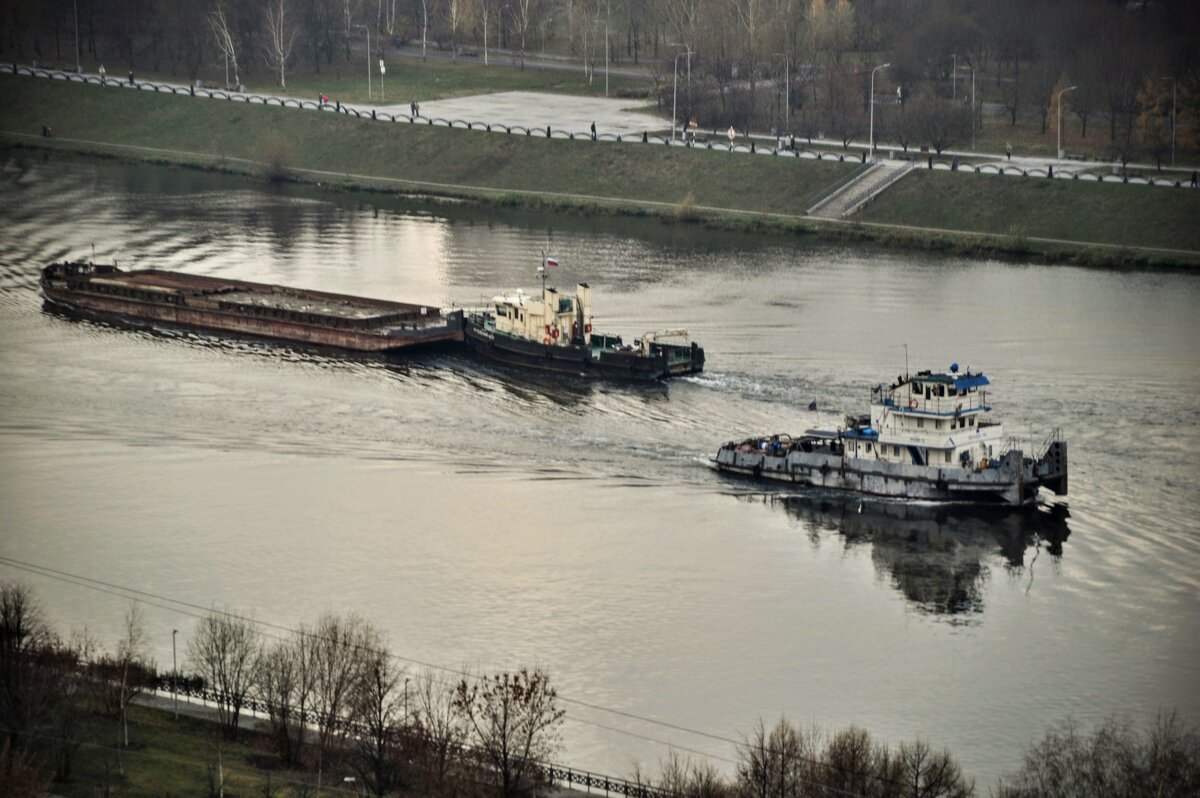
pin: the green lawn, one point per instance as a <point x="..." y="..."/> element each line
<point x="170" y="757"/>
<point x="492" y="162"/>
<point x="1110" y="213"/>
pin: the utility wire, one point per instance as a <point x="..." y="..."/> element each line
<point x="199" y="611"/>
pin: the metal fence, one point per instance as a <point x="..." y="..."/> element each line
<point x="549" y="772"/>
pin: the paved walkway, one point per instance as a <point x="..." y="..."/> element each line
<point x="536" y="110"/>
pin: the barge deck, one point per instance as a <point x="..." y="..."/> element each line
<point x="277" y="312"/>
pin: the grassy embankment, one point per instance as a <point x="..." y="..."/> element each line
<point x="1111" y="224"/>
<point x="405" y="157"/>
<point x="1022" y="208"/>
<point x="174" y="757"/>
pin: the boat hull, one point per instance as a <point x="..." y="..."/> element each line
<point x="435" y="329"/>
<point x="576" y="359"/>
<point x="1010" y="482"/>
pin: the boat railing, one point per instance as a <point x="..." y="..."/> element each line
<point x="1055" y="436"/>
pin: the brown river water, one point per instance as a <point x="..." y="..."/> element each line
<point x="489" y="519"/>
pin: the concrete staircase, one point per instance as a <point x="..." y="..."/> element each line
<point x="858" y="192"/>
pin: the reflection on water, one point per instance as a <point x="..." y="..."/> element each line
<point x="492" y="516"/>
<point x="938" y="556"/>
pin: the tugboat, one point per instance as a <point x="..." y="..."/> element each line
<point x="927" y="437"/>
<point x="553" y="332"/>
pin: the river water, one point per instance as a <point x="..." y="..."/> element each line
<point x="487" y="519"/>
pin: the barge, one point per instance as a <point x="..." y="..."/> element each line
<point x="927" y="437"/>
<point x="552" y="331"/>
<point x="280" y="313"/>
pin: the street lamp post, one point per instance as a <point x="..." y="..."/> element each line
<point x="1060" y="94"/>
<point x="872" y="134"/>
<point x="174" y="675"/>
<point x="78" y="67"/>
<point x="787" y="91"/>
<point x="675" y="87"/>
<point x="972" y="107"/>
<point x="954" y="76"/>
<point x="368" y="30"/>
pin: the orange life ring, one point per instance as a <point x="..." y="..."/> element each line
<point x="912" y="404"/>
<point x="554" y="332"/>
<point x="546" y="340"/>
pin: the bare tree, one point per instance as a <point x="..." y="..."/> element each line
<point x="931" y="774"/>
<point x="218" y="22"/>
<point x="339" y="647"/>
<point x="775" y="764"/>
<point x="376" y="706"/>
<point x="284" y="683"/>
<point x="940" y="123"/>
<point x="23" y="633"/>
<point x="514" y="719"/>
<point x="224" y="652"/>
<point x="440" y="733"/>
<point x="130" y="651"/>
<point x="278" y="50"/>
<point x="1115" y="759"/>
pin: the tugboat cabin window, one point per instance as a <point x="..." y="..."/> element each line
<point x="920" y="422"/>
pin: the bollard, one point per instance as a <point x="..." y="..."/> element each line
<point x="339" y="106"/>
<point x="1050" y="171"/>
<point x="645" y="139"/>
<point x="373" y="114"/>
<point x="547" y="131"/>
<point x="864" y="158"/>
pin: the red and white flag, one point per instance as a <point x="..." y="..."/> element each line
<point x="551" y="262"/>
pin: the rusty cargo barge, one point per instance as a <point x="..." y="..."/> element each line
<point x="261" y="310"/>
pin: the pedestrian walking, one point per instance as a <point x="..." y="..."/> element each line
<point x="103" y="74"/>
<point x="1195" y="178"/>
<point x="1008" y="150"/>
<point x="593" y="131"/>
<point x="412" y="108"/>
<point x="131" y="77"/>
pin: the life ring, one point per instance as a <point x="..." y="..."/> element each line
<point x="912" y="404"/>
<point x="554" y="332"/>
<point x="546" y="340"/>
<point x="587" y="328"/>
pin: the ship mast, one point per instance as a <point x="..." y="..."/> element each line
<point x="542" y="274"/>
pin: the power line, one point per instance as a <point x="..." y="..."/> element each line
<point x="195" y="610"/>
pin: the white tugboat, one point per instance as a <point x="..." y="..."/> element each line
<point x="927" y="437"/>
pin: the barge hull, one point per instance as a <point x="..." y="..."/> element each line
<point x="278" y="313"/>
<point x="218" y="321"/>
